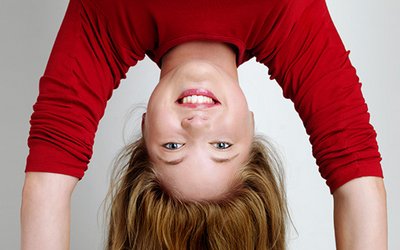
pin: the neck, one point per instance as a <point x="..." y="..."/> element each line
<point x="217" y="54"/>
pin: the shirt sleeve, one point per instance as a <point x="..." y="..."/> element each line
<point x="84" y="67"/>
<point x="313" y="68"/>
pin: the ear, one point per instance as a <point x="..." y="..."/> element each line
<point x="252" y="120"/>
<point x="143" y="120"/>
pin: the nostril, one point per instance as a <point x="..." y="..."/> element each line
<point x="195" y="119"/>
<point x="198" y="117"/>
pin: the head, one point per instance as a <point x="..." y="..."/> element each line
<point x="197" y="148"/>
<point x="144" y="215"/>
<point x="198" y="178"/>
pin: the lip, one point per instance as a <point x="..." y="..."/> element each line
<point x="203" y="92"/>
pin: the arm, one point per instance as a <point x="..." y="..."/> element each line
<point x="86" y="64"/>
<point x="313" y="68"/>
<point x="45" y="211"/>
<point x="360" y="215"/>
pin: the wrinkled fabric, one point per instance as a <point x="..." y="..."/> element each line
<point x="98" y="42"/>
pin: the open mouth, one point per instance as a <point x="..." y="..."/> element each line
<point x="197" y="97"/>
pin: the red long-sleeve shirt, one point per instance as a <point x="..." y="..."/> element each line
<point x="100" y="39"/>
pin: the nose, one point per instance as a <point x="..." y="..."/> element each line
<point x="196" y="123"/>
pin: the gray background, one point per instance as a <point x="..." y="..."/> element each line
<point x="369" y="30"/>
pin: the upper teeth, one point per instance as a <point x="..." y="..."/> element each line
<point x="197" y="99"/>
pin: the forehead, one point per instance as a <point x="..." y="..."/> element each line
<point x="198" y="178"/>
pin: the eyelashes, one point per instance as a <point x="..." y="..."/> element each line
<point x="173" y="145"/>
<point x="221" y="145"/>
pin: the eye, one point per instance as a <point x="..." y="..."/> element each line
<point x="173" y="145"/>
<point x="222" y="145"/>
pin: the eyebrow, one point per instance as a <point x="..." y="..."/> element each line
<point x="221" y="160"/>
<point x="217" y="160"/>
<point x="174" y="162"/>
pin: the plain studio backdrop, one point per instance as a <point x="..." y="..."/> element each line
<point x="369" y="30"/>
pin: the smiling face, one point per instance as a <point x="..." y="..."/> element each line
<point x="198" y="131"/>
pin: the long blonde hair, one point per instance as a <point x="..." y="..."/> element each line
<point x="144" y="215"/>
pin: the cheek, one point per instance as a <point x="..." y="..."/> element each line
<point x="244" y="129"/>
<point x="241" y="116"/>
<point x="238" y="104"/>
<point x="159" y="122"/>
